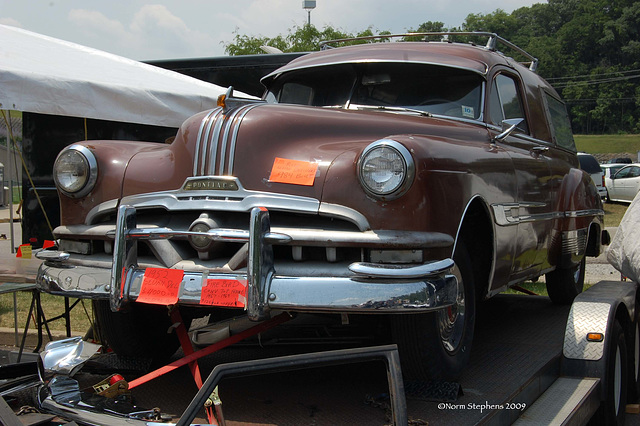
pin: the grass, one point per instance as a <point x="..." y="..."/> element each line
<point x="608" y="144"/>
<point x="52" y="307"/>
<point x="613" y="213"/>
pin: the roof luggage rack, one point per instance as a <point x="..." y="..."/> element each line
<point x="492" y="42"/>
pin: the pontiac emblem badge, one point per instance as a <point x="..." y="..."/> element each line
<point x="210" y="184"/>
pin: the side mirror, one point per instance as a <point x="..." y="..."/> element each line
<point x="508" y="127"/>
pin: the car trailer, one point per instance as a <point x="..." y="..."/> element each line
<point x="591" y="368"/>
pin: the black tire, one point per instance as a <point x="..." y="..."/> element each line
<point x="143" y="332"/>
<point x="634" y="359"/>
<point x="564" y="284"/>
<point x="431" y="346"/>
<point x="612" y="409"/>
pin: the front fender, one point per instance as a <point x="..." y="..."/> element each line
<point x="113" y="158"/>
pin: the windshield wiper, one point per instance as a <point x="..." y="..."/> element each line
<point x="393" y="109"/>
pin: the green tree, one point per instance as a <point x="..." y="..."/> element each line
<point x="306" y="38"/>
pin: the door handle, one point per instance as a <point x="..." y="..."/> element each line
<point x="537" y="150"/>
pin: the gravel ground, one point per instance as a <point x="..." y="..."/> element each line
<point x="599" y="269"/>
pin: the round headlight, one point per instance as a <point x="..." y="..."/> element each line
<point x="75" y="171"/>
<point x="386" y="169"/>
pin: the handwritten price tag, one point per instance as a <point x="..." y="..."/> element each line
<point x="160" y="286"/>
<point x="24" y="251"/>
<point x="293" y="171"/>
<point x="229" y="293"/>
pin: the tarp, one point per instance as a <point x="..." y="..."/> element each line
<point x="624" y="251"/>
<point x="46" y="75"/>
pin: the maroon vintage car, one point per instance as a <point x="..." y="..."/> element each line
<point x="412" y="179"/>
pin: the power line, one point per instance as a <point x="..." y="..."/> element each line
<point x="592" y="82"/>
<point x="593" y="100"/>
<point x="590" y="75"/>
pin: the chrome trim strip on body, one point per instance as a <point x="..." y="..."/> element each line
<point x="239" y="200"/>
<point x="583" y="213"/>
<point x="353" y="216"/>
<point x="393" y="289"/>
<point x="379" y="239"/>
<point x="508" y="213"/>
<point x="223" y="200"/>
<point x="227" y="235"/>
<point x="100" y="210"/>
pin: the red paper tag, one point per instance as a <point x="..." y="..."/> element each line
<point x="293" y="171"/>
<point x="48" y="243"/>
<point x="230" y="293"/>
<point x="160" y="286"/>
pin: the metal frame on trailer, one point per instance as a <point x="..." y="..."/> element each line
<point x="388" y="354"/>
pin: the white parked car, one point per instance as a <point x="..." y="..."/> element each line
<point x="624" y="184"/>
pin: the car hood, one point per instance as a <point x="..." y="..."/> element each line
<point x="266" y="146"/>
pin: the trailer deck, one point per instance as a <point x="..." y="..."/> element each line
<point x="516" y="356"/>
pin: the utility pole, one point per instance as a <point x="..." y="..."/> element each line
<point x="308" y="5"/>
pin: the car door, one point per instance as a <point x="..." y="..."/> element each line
<point x="531" y="208"/>
<point x="625" y="183"/>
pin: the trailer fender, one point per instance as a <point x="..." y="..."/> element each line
<point x="595" y="311"/>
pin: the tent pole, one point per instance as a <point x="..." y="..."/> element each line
<point x="7" y="121"/>
<point x="9" y="160"/>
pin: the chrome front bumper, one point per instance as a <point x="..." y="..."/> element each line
<point x="370" y="287"/>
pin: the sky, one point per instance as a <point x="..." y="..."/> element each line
<point x="172" y="29"/>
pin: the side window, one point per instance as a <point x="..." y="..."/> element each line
<point x="506" y="102"/>
<point x="623" y="173"/>
<point x="560" y="123"/>
<point x="628" y="172"/>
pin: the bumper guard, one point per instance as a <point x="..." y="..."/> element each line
<point x="371" y="288"/>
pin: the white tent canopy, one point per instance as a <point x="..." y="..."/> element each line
<point x="51" y="76"/>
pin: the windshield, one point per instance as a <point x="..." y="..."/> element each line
<point x="431" y="88"/>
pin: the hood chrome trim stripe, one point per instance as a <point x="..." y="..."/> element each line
<point x="234" y="139"/>
<point x="211" y="144"/>
<point x="216" y="141"/>
<point x="206" y="122"/>
<point x="230" y="123"/>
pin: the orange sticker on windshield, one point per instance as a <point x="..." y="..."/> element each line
<point x="293" y="171"/>
<point x="160" y="286"/>
<point x="221" y="292"/>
